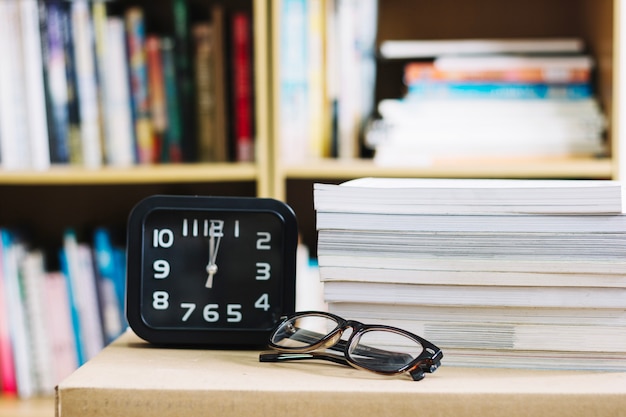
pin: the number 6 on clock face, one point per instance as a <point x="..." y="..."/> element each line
<point x="210" y="270"/>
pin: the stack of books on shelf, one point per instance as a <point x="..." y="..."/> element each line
<point x="507" y="273"/>
<point x="93" y="83"/>
<point x="54" y="320"/>
<point x="514" y="98"/>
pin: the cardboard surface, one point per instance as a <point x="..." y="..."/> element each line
<point x="132" y="378"/>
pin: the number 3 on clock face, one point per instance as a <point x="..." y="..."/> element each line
<point x="210" y="270"/>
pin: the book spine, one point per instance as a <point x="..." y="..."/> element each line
<point x="293" y="82"/>
<point x="119" y="119"/>
<point x="31" y="283"/>
<point x="89" y="295"/>
<point x="34" y="85"/>
<point x="156" y="90"/>
<point x="59" y="329"/>
<point x="332" y="75"/>
<point x="136" y="36"/>
<point x="218" y="65"/>
<point x="499" y="91"/>
<point x="242" y="87"/>
<point x="184" y="80"/>
<point x="111" y="309"/>
<point x="205" y="93"/>
<point x="67" y="267"/>
<point x="8" y="379"/>
<point x="172" y="147"/>
<point x="348" y="105"/>
<point x="416" y="72"/>
<point x="99" y="23"/>
<point x="319" y="141"/>
<point x="53" y="52"/>
<point x="86" y="83"/>
<point x="13" y="117"/>
<point x="79" y="269"/>
<point x="73" y="103"/>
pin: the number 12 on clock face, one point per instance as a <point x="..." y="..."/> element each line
<point x="226" y="270"/>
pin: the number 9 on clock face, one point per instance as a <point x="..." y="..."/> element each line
<point x="210" y="270"/>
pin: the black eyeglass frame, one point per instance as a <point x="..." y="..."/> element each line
<point x="426" y="362"/>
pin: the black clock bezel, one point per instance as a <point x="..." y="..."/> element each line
<point x="240" y="338"/>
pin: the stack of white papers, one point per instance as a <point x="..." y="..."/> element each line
<point x="515" y="273"/>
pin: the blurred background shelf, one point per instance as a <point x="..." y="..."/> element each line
<point x="34" y="407"/>
<point x="139" y="174"/>
<point x="324" y="169"/>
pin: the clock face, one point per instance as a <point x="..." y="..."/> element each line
<point x="225" y="268"/>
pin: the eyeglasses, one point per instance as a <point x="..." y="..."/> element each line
<point x="381" y="349"/>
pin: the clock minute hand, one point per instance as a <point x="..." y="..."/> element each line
<point x="214" y="245"/>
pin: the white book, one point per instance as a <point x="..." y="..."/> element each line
<point x="423" y="48"/>
<point x="515" y="336"/>
<point x="34" y="85"/>
<point x="475" y="296"/>
<point x="590" y="246"/>
<point x="450" y="276"/>
<point x="406" y="111"/>
<point x="515" y="136"/>
<point x="14" y="141"/>
<point x="543" y="359"/>
<point x="373" y="313"/>
<point x="416" y="156"/>
<point x="411" y="263"/>
<point x="119" y="143"/>
<point x="83" y="39"/>
<point x="466" y="196"/>
<point x="33" y="286"/>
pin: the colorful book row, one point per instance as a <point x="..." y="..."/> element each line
<point x="84" y="85"/>
<point x="51" y="322"/>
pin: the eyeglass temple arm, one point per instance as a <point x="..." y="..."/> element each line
<point x="280" y="357"/>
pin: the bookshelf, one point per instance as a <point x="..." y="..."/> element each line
<point x="596" y="22"/>
<point x="81" y="197"/>
<point x="48" y="201"/>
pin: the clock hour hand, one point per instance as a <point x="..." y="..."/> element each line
<point x="215" y="234"/>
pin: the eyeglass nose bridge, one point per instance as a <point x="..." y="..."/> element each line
<point x="337" y="334"/>
<point x="332" y="341"/>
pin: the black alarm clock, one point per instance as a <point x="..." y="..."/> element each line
<point x="213" y="271"/>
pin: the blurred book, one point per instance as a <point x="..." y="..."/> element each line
<point x="52" y="321"/>
<point x="428" y="48"/>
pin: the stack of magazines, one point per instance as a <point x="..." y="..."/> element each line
<point x="511" y="273"/>
<point x="490" y="98"/>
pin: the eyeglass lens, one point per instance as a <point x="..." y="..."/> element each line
<point x="376" y="349"/>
